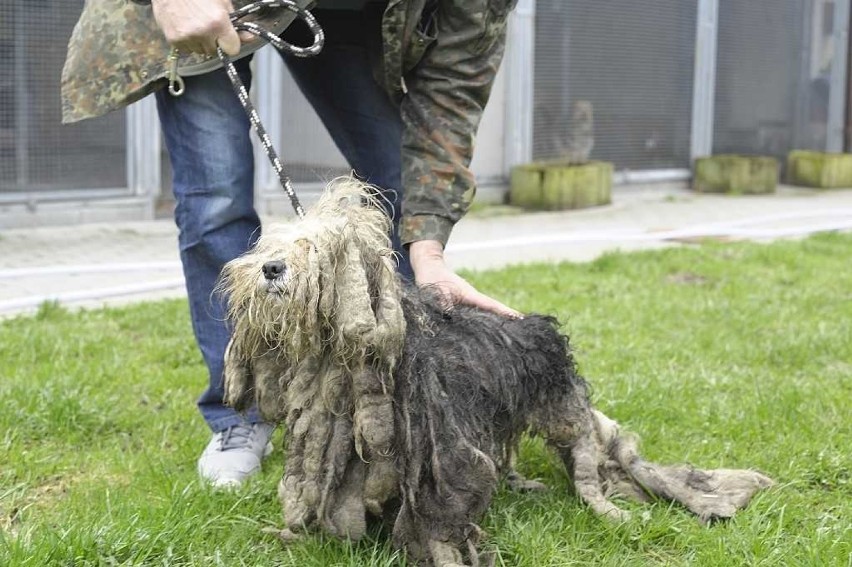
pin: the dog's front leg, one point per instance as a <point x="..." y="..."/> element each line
<point x="310" y="433"/>
<point x="373" y="431"/>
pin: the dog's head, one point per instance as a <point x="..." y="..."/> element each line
<point x="329" y="278"/>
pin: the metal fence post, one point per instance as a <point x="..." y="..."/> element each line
<point x="837" y="89"/>
<point x="23" y="107"/>
<point x="520" y="65"/>
<point x="704" y="80"/>
<point x="144" y="151"/>
<point x="266" y="90"/>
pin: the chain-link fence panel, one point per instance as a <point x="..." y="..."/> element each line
<point x="774" y="75"/>
<point x="613" y="81"/>
<point x="38" y="153"/>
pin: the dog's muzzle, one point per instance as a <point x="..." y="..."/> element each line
<point x="274" y="277"/>
<point x="273" y="270"/>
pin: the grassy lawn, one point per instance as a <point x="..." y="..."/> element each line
<point x="723" y="355"/>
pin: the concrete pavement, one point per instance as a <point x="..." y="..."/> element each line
<point x="107" y="264"/>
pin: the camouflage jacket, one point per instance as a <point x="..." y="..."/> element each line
<point x="439" y="61"/>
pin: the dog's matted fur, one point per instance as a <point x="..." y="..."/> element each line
<point x="397" y="407"/>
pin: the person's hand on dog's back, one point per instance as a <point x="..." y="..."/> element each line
<point x="197" y="26"/>
<point x="430" y="269"/>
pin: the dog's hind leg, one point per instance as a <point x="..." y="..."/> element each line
<point x="582" y="460"/>
<point x="445" y="555"/>
<point x="575" y="442"/>
<point x="515" y="481"/>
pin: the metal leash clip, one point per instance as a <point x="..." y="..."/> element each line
<point x="176" y="84"/>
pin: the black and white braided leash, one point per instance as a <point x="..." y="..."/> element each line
<point x="278" y="43"/>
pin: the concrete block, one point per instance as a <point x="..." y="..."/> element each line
<point x="819" y="169"/>
<point x="735" y="175"/>
<point x="557" y="186"/>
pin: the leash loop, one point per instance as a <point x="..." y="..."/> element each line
<point x="277" y="42"/>
<point x="176" y="86"/>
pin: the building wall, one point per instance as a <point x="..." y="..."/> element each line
<point x="488" y="157"/>
<point x="634" y="60"/>
<point x="774" y="78"/>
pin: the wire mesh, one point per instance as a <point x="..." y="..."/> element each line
<point x="774" y="62"/>
<point x="633" y="61"/>
<point x="38" y="153"/>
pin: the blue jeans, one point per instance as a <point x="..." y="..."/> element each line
<point x="207" y="137"/>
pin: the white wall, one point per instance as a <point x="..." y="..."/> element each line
<point x="489" y="154"/>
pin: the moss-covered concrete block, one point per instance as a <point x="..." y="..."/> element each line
<point x="819" y="169"/>
<point x="735" y="175"/>
<point x="554" y="186"/>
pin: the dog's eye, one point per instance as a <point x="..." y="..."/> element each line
<point x="274" y="269"/>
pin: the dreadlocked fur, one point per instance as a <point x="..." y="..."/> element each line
<point x="400" y="408"/>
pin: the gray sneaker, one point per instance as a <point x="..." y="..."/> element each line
<point x="235" y="454"/>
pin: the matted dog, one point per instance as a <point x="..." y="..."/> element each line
<point x="398" y="407"/>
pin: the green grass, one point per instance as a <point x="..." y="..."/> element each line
<point x="723" y="355"/>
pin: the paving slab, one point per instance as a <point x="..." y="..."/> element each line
<point x="92" y="265"/>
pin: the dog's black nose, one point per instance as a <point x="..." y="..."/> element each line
<point x="274" y="269"/>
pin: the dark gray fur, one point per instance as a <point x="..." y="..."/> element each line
<point x="468" y="385"/>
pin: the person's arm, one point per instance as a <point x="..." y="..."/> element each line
<point x="197" y="26"/>
<point x="447" y="92"/>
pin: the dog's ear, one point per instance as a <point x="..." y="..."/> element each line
<point x="320" y="260"/>
<point x="353" y="309"/>
<point x="389" y="333"/>
<point x="326" y="265"/>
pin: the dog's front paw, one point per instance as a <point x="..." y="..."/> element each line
<point x="516" y="482"/>
<point x="617" y="515"/>
<point x="285" y="535"/>
<point x="445" y="555"/>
